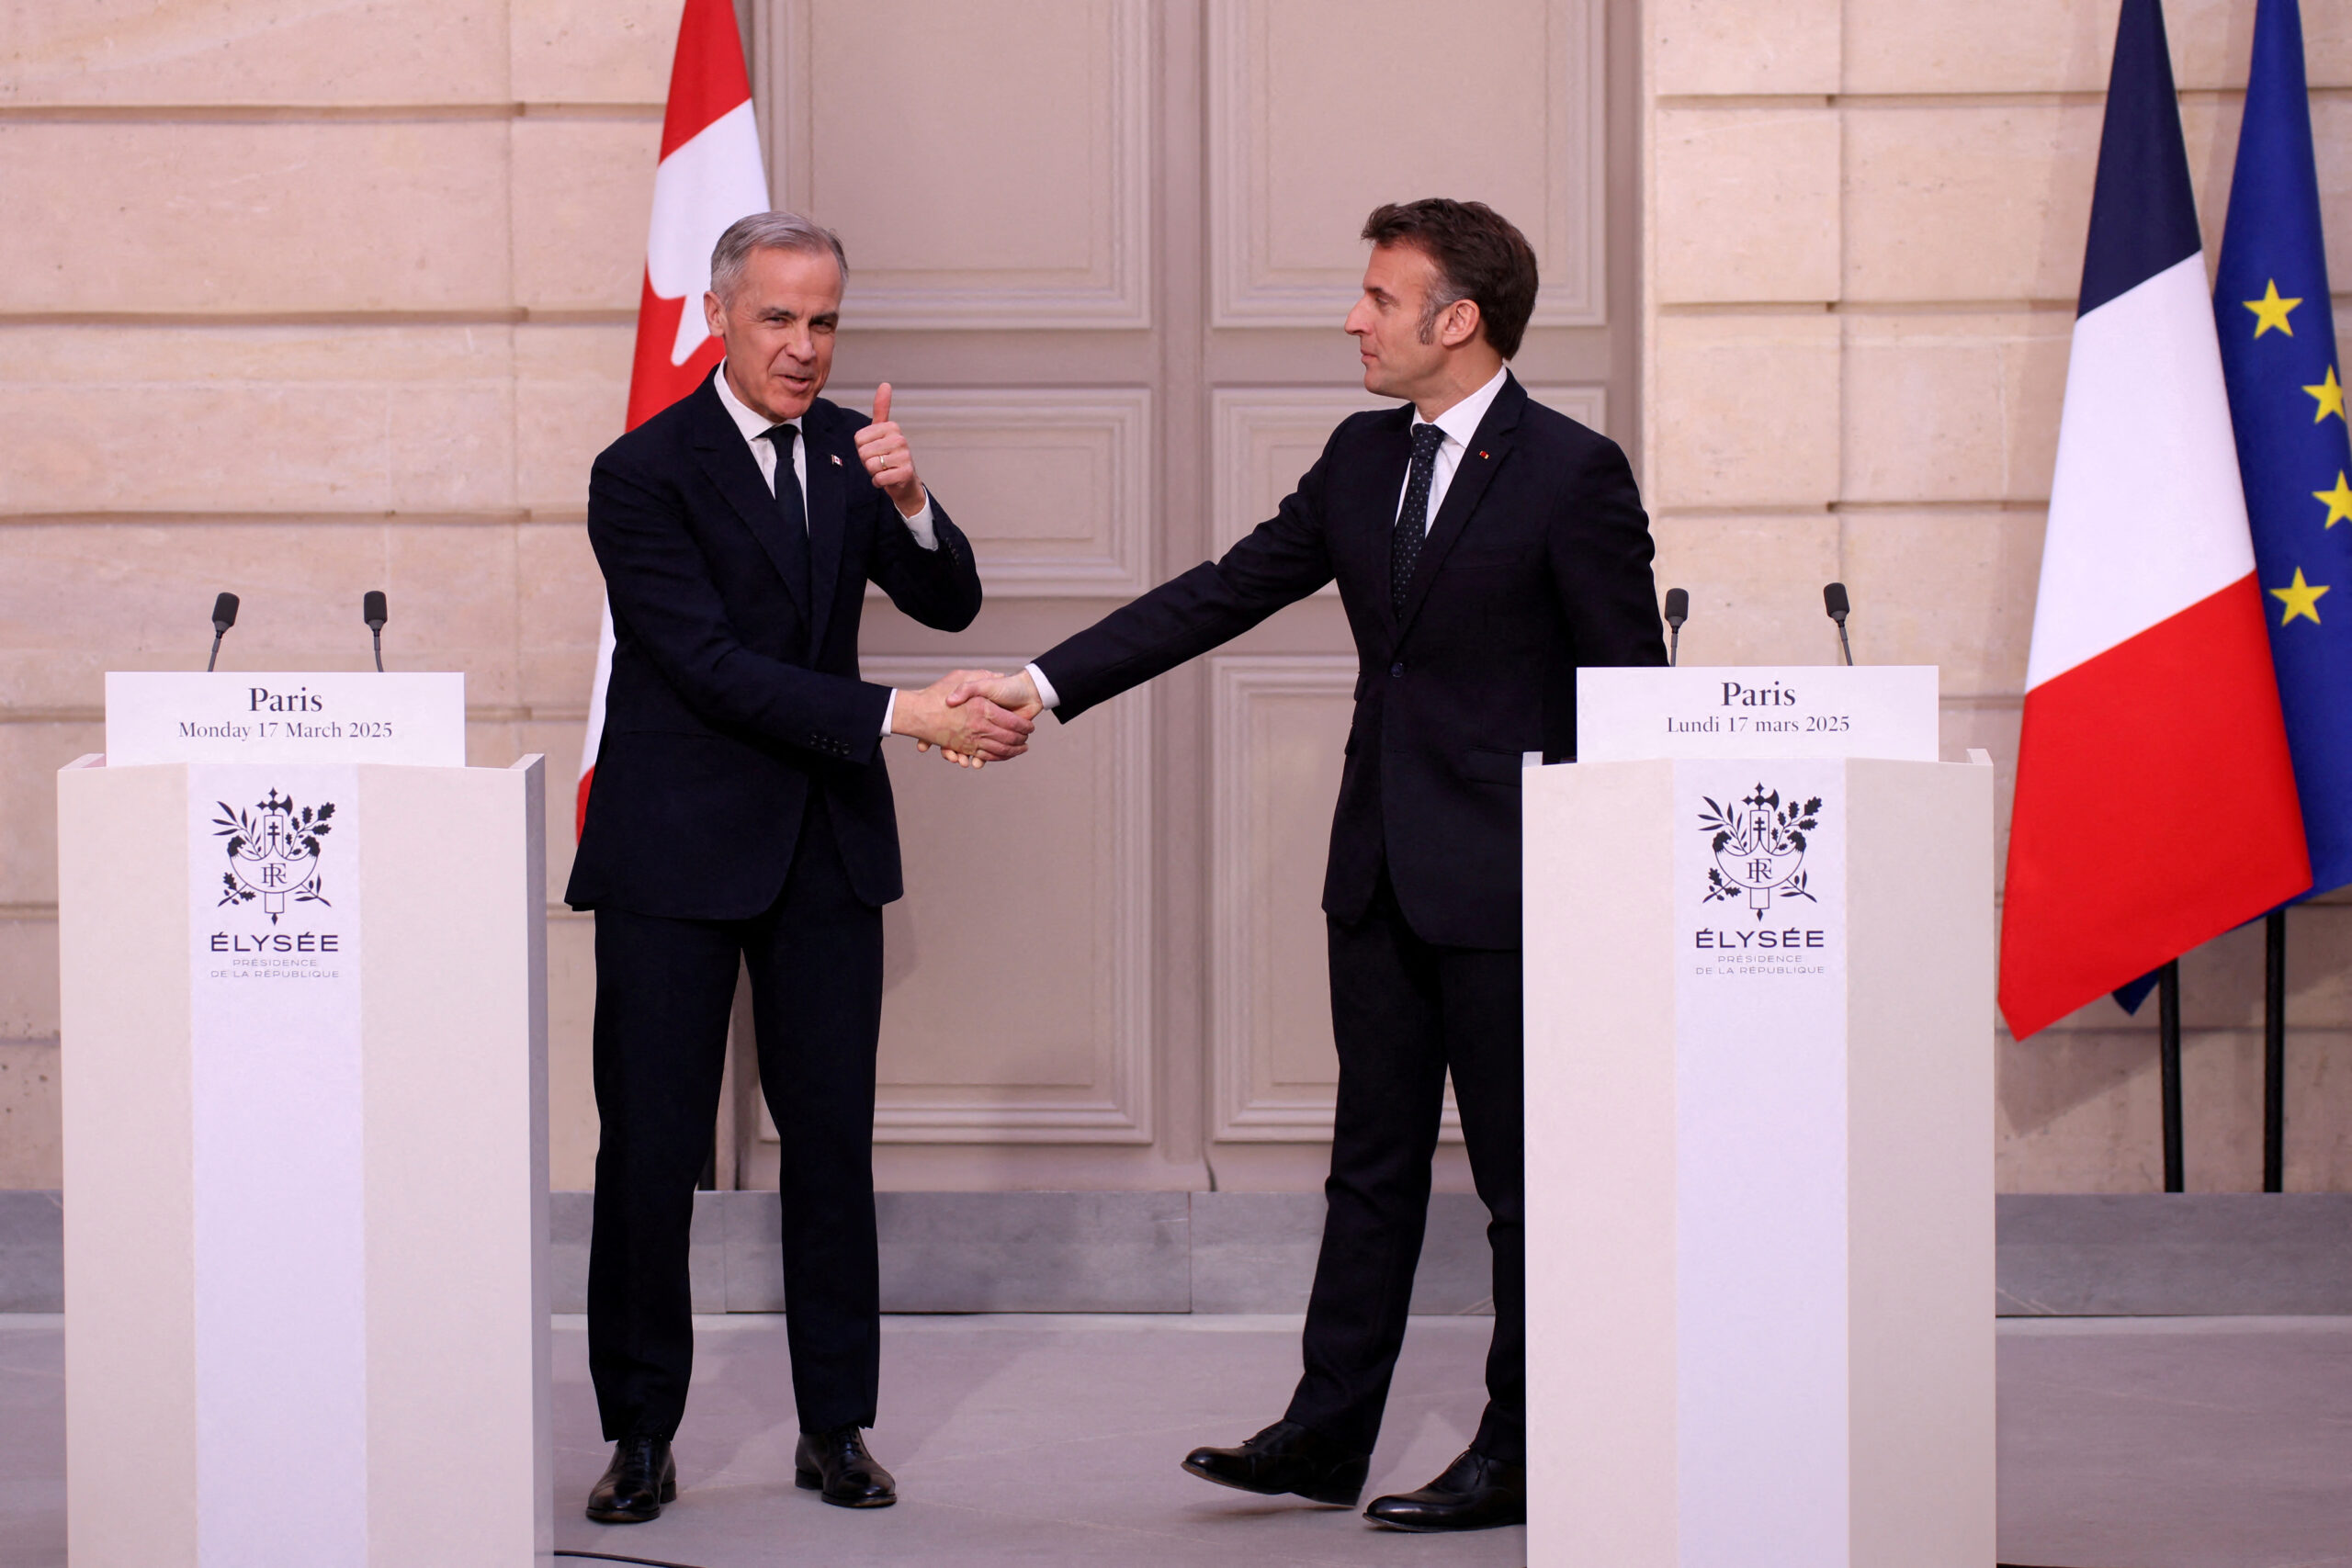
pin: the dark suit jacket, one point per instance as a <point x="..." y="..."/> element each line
<point x="730" y="701"/>
<point x="1538" y="561"/>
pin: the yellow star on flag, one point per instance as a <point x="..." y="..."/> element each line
<point x="2330" y="394"/>
<point x="2272" y="312"/>
<point x="2339" y="499"/>
<point x="2300" y="599"/>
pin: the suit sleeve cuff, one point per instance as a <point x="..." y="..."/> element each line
<point x="921" y="525"/>
<point x="1046" y="693"/>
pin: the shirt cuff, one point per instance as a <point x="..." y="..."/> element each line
<point x="889" y="711"/>
<point x="1046" y="693"/>
<point x="920" y="524"/>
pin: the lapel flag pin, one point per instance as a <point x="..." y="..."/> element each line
<point x="1482" y="454"/>
<point x="836" y="456"/>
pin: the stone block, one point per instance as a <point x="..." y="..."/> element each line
<point x="1747" y="411"/>
<point x="560" y="592"/>
<point x="2078" y="1105"/>
<point x="570" y="403"/>
<point x="1746" y="205"/>
<point x="77" y="598"/>
<point x="583" y="198"/>
<point x="570" y="1221"/>
<point x="321" y="419"/>
<point x="1990" y="724"/>
<point x="32" y="1149"/>
<point x="1034" y="1252"/>
<point x="1960" y="406"/>
<point x="32" y="1251"/>
<point x="256" y="215"/>
<point x="456" y="589"/>
<point x="707" y="1250"/>
<point x="571" y="1004"/>
<point x="1254" y="1251"/>
<point x="30" y="754"/>
<point x="593" y="51"/>
<point x="2319" y="968"/>
<point x="2182" y="1255"/>
<point x="119" y="54"/>
<point x="1755" y="585"/>
<point x="28" y="978"/>
<point x="1743" y="47"/>
<point x="2021" y="46"/>
<point x="1953" y="589"/>
<point x="1972" y="202"/>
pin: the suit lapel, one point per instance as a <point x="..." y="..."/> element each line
<point x="828" y="518"/>
<point x="1489" y="444"/>
<point x="727" y="460"/>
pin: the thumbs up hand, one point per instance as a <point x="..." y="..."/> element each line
<point x="882" y="446"/>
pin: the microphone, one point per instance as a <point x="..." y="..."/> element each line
<point x="224" y="615"/>
<point x="1833" y="599"/>
<point x="371" y="610"/>
<point x="1677" y="610"/>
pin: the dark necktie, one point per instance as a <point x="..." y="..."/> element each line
<point x="1413" y="520"/>
<point x="794" y="516"/>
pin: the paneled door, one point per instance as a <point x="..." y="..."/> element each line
<point x="1102" y="250"/>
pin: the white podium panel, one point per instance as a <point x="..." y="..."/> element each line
<point x="305" y="1123"/>
<point x="1759" y="1163"/>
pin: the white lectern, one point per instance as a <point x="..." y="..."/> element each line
<point x="305" y="1127"/>
<point x="1759" y="1110"/>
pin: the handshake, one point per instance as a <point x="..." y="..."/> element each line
<point x="974" y="717"/>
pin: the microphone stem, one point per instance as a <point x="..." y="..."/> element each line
<point x="1843" y="646"/>
<point x="1673" y="646"/>
<point x="214" y="656"/>
<point x="377" y="634"/>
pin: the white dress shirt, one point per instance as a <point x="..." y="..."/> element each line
<point x="1459" y="424"/>
<point x="756" y="426"/>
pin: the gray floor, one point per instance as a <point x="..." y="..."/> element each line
<point x="2125" y="1443"/>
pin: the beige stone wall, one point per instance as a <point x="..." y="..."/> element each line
<point x="1866" y="221"/>
<point x="303" y="297"/>
<point x="306" y="296"/>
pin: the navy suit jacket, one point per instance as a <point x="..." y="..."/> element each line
<point x="730" y="700"/>
<point x="1538" y="561"/>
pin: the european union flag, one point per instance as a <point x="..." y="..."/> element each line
<point x="2286" y="403"/>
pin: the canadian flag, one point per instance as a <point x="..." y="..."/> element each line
<point x="710" y="175"/>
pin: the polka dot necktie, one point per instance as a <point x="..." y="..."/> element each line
<point x="1413" y="520"/>
<point x="794" y="535"/>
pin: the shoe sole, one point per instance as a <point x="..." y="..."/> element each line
<point x="809" y="1481"/>
<point x="629" y="1517"/>
<point x="1441" y="1529"/>
<point x="1329" y="1497"/>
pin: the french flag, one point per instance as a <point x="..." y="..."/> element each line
<point x="709" y="174"/>
<point x="2156" y="796"/>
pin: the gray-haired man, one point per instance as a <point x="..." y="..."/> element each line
<point x="742" y="815"/>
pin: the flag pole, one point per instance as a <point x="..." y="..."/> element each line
<point x="2168" y="1059"/>
<point x="2274" y="1051"/>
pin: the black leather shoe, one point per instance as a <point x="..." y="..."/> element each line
<point x="641" y="1478"/>
<point x="1474" y="1494"/>
<point x="1286" y="1457"/>
<point x="836" y="1466"/>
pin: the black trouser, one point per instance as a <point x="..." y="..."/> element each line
<point x="663" y="991"/>
<point x="1404" y="1011"/>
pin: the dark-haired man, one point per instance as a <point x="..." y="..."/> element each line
<point x="1485" y="546"/>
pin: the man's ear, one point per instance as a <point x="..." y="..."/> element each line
<point x="1458" y="325"/>
<point x="714" y="315"/>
